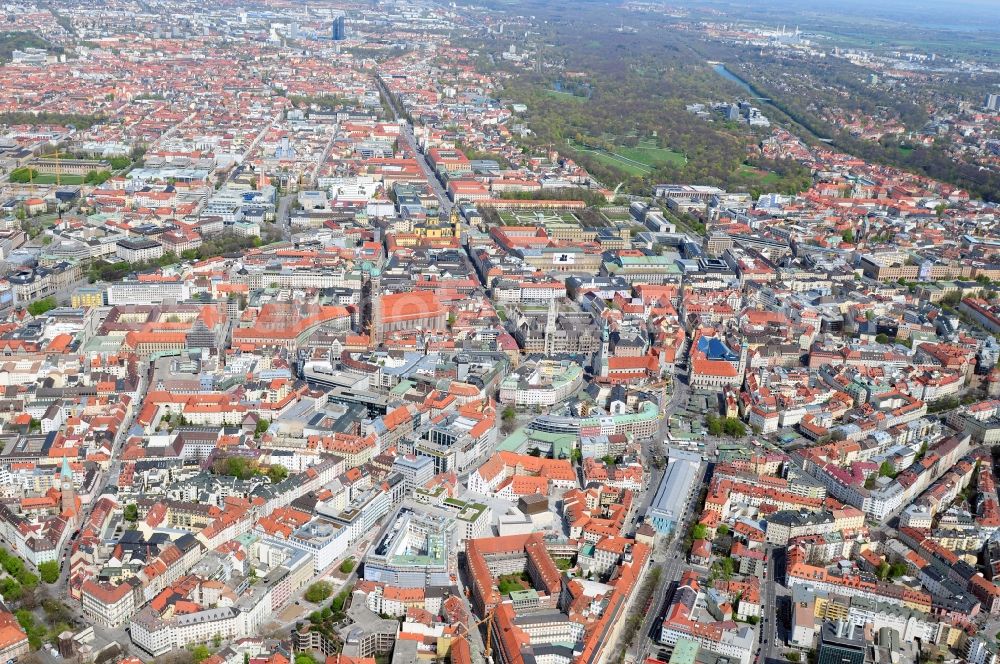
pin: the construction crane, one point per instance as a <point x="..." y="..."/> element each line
<point x="55" y="146"/>
<point x="488" y="653"/>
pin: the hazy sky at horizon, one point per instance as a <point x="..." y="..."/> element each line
<point x="962" y="15"/>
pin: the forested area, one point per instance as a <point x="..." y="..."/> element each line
<point x="45" y="117"/>
<point x="647" y="99"/>
<point x="638" y="104"/>
<point x="603" y="92"/>
<point x="18" y="41"/>
<point x="933" y="161"/>
<point x="801" y="88"/>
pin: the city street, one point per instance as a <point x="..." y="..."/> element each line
<point x="322" y="160"/>
<point x="406" y="135"/>
<point x="774" y="597"/>
<point x="670" y="555"/>
<point x="444" y="203"/>
<point x="111" y="475"/>
<point x="668" y="551"/>
<point x="282" y="216"/>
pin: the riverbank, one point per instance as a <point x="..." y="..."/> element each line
<point x="756" y="95"/>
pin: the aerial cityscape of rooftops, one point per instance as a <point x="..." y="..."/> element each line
<point x="499" y="332"/>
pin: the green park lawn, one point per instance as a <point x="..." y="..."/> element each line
<point x="640" y="160"/>
<point x="63" y="179"/>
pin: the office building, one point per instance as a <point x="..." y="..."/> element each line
<point x="416" y="470"/>
<point x="841" y="642"/>
<point x="339" y="31"/>
<point x="413" y="553"/>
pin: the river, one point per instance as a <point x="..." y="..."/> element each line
<point x="721" y="70"/>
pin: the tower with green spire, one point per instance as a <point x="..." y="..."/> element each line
<point x="67" y="489"/>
